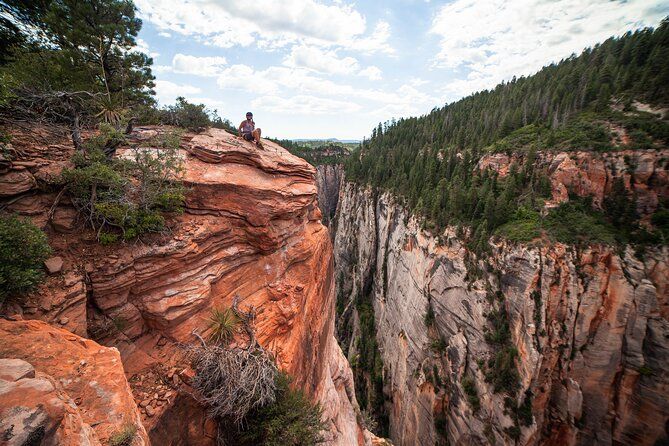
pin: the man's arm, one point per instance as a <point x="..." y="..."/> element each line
<point x="239" y="130"/>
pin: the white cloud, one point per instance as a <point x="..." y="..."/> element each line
<point x="283" y="82"/>
<point x="376" y="42"/>
<point x="304" y="104"/>
<point x="167" y="92"/>
<point x="268" y="23"/>
<point x="164" y="34"/>
<point x="143" y="47"/>
<point x="371" y="72"/>
<point x="199" y="66"/>
<point x="497" y="39"/>
<point x="304" y="56"/>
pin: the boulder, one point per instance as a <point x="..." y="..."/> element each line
<point x="69" y="369"/>
<point x="54" y="264"/>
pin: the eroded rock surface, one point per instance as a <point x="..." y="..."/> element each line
<point x="251" y="228"/>
<point x="589" y="326"/>
<point x="57" y="388"/>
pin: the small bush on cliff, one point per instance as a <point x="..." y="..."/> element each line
<point x="223" y="324"/>
<point x="124" y="436"/>
<point x="292" y="420"/>
<point x="184" y="114"/>
<point x="469" y="388"/>
<point x="23" y="250"/>
<point x="130" y="194"/>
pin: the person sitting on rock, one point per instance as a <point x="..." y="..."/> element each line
<point x="248" y="130"/>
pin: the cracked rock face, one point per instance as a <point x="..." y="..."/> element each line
<point x="589" y="326"/>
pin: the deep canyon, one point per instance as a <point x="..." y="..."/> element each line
<point x="589" y="324"/>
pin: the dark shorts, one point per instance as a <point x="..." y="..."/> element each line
<point x="248" y="136"/>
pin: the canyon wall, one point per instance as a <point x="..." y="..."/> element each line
<point x="329" y="181"/>
<point x="251" y="229"/>
<point x="589" y="335"/>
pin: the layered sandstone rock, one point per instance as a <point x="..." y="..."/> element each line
<point x="251" y="229"/>
<point x="59" y="388"/>
<point x="589" y="325"/>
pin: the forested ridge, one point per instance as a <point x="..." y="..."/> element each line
<point x="572" y="105"/>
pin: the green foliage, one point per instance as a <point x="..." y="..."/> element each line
<point x="433" y="161"/>
<point x="438" y="345"/>
<point x="291" y="421"/>
<point x="130" y="194"/>
<point x="193" y="117"/>
<point x="123" y="437"/>
<point x="501" y="372"/>
<point x="469" y="387"/>
<point x="577" y="222"/>
<point x="524" y="226"/>
<point x="23" y="250"/>
<point x="644" y="370"/>
<point x="75" y="61"/>
<point x="223" y="324"/>
<point x="316" y="154"/>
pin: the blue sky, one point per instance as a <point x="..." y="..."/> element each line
<point x="319" y="69"/>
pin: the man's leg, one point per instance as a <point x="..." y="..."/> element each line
<point x="256" y="135"/>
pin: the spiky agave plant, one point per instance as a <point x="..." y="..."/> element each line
<point x="223" y="324"/>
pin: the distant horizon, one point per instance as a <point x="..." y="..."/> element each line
<point x="311" y="69"/>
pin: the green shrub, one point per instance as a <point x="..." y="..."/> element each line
<point x="644" y="370"/>
<point x="525" y="226"/>
<point x="429" y="316"/>
<point x="23" y="250"/>
<point x="577" y="222"/>
<point x="223" y="324"/>
<point x="438" y="345"/>
<point x="127" y="195"/>
<point x="124" y="436"/>
<point x="193" y="117"/>
<point x="292" y="420"/>
<point x="107" y="238"/>
<point x="469" y="387"/>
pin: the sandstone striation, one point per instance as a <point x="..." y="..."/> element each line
<point x="251" y="229"/>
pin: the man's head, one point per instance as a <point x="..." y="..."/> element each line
<point x="249" y="115"/>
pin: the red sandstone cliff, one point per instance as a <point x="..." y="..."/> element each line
<point x="251" y="228"/>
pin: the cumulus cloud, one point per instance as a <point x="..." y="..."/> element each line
<point x="304" y="56"/>
<point x="283" y="84"/>
<point x="167" y="92"/>
<point x="143" y="47"/>
<point x="497" y="39"/>
<point x="304" y="104"/>
<point x="268" y="23"/>
<point x="371" y="72"/>
<point x="199" y="66"/>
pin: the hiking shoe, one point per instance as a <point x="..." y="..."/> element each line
<point x="259" y="144"/>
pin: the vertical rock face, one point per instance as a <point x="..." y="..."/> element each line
<point x="251" y="229"/>
<point x="329" y="180"/>
<point x="589" y="328"/>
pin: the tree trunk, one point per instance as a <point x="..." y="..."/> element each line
<point x="76" y="134"/>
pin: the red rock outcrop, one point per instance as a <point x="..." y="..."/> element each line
<point x="79" y="395"/>
<point x="644" y="173"/>
<point x="251" y="228"/>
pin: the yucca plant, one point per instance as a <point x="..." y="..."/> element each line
<point x="223" y="324"/>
